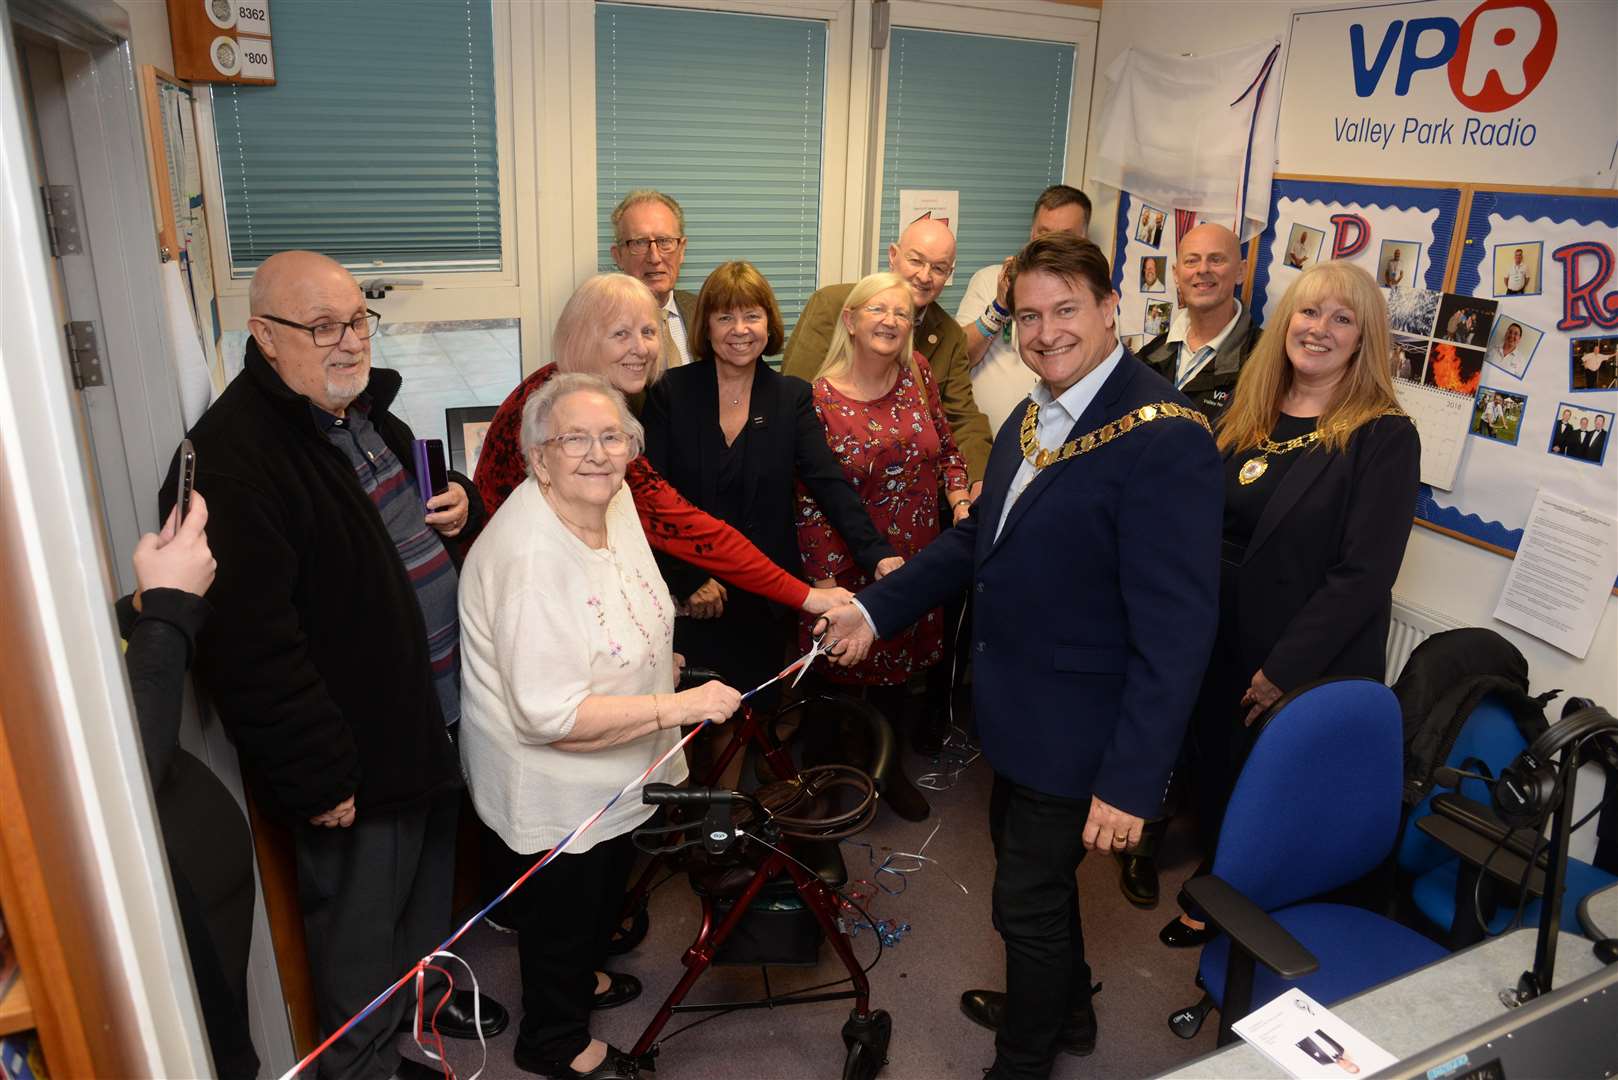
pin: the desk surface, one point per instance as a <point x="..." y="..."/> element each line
<point x="1420" y="1010"/>
<point x="1599" y="913"/>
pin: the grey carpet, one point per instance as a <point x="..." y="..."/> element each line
<point x="951" y="947"/>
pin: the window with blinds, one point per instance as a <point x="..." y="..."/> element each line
<point x="724" y="113"/>
<point x="984" y="116"/>
<point x="376" y="146"/>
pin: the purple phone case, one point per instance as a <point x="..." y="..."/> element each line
<point x="423" y="451"/>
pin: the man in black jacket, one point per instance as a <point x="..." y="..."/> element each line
<point x="333" y="654"/>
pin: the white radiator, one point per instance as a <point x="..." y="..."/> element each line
<point x="1412" y="624"/>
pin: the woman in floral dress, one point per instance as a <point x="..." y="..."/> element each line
<point x="876" y="398"/>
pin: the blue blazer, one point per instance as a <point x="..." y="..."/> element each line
<point x="1094" y="612"/>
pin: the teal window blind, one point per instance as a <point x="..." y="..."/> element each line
<point x="985" y="116"/>
<point x="724" y="113"/>
<point x="376" y="146"/>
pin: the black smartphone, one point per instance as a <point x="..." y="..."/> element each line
<point x="187" y="483"/>
<point x="431" y="478"/>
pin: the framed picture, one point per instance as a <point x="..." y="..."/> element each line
<point x="466" y="428"/>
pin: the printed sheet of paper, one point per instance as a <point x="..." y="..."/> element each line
<point x="1558" y="585"/>
<point x="1308" y="1040"/>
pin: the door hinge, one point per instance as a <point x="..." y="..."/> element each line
<point x="84" y="354"/>
<point x="62" y="219"/>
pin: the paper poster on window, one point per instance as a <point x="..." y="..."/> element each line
<point x="942" y="206"/>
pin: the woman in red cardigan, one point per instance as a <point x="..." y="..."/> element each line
<point x="611" y="326"/>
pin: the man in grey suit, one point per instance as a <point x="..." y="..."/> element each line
<point x="649" y="231"/>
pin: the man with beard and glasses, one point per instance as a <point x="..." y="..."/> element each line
<point x="333" y="655"/>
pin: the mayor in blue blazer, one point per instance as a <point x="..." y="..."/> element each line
<point x="1093" y="559"/>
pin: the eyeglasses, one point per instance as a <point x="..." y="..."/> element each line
<point x="575" y="444"/>
<point x="327" y="334"/>
<point x="666" y="245"/>
<point x="937" y="269"/>
<point x="877" y="311"/>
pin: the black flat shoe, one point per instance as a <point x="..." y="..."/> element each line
<point x="987" y="1008"/>
<point x="623" y="989"/>
<point x="1138" y="878"/>
<point x="617" y="1065"/>
<point x="455" y="1018"/>
<point x="1177" y="935"/>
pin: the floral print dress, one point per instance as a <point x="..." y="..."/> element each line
<point x="897" y="451"/>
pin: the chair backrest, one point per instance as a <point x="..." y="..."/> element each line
<point x="1490" y="736"/>
<point x="1317" y="804"/>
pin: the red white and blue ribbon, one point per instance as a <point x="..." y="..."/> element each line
<point x="422" y="1023"/>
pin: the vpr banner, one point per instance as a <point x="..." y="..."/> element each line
<point x="1502" y="91"/>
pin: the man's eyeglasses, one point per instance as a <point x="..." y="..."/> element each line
<point x="876" y="311"/>
<point x="640" y="245"/>
<point x="939" y="270"/>
<point x="327" y="334"/>
<point x="575" y="444"/>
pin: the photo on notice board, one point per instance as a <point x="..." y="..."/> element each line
<point x="1593" y="363"/>
<point x="1580" y="434"/>
<point x="1497" y="414"/>
<point x="1396" y="265"/>
<point x="1409" y="358"/>
<point x="1465" y="320"/>
<point x="1454" y="368"/>
<point x="1413" y="311"/>
<point x="1133" y="342"/>
<point x="1149" y="226"/>
<point x="1158" y="314"/>
<point x="1152" y="271"/>
<point x="1516" y="269"/>
<point x="1511" y="345"/>
<point x="1303" y="246"/>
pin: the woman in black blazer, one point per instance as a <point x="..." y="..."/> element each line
<point x="1321" y="473"/>
<point x="731" y="434"/>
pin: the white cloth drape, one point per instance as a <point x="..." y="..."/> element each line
<point x="190" y="363"/>
<point x="1193" y="133"/>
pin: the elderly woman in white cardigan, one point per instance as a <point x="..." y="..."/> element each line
<point x="569" y="673"/>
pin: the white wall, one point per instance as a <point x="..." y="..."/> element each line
<point x="1453" y="578"/>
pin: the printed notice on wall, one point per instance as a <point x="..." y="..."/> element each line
<point x="1564" y="569"/>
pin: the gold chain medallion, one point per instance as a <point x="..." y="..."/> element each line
<point x="1101" y="436"/>
<point x="1255" y="468"/>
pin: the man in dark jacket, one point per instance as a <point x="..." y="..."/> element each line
<point x="333" y="653"/>
<point x="1205" y="346"/>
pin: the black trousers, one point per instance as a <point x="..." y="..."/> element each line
<point x="563" y="916"/>
<point x="1038" y="846"/>
<point x="375" y="899"/>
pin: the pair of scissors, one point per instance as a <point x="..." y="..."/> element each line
<point x="817" y="646"/>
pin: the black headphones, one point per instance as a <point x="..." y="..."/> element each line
<point x="1526" y="791"/>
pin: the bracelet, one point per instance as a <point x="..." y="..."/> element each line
<point x="993" y="318"/>
<point x="657" y="712"/>
<point x="1003" y="312"/>
<point x="985" y="330"/>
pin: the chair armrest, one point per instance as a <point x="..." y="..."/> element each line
<point x="1251" y="928"/>
<point x="1482" y="850"/>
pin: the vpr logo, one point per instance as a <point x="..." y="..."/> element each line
<point x="1495" y="58"/>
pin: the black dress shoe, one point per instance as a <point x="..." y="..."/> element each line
<point x="415" y="1070"/>
<point x="1177" y="935"/>
<point x="617" y="1065"/>
<point x="987" y="1008"/>
<point x="1138" y="878"/>
<point x="901" y="795"/>
<point x="455" y="1018"/>
<point x="623" y="989"/>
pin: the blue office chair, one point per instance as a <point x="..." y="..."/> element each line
<point x="1441" y="887"/>
<point x="1316" y="808"/>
